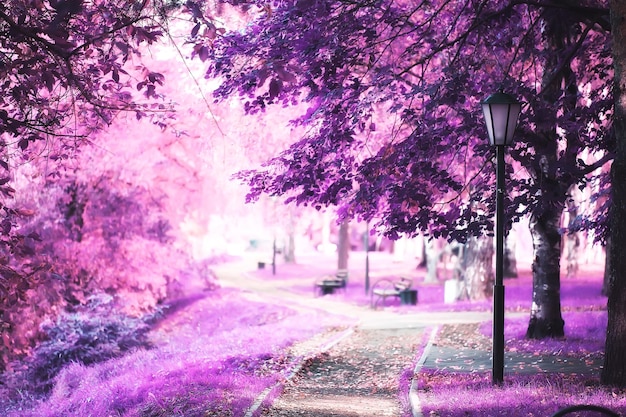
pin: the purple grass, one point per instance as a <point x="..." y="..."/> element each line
<point x="584" y="335"/>
<point x="472" y="394"/>
<point x="212" y="358"/>
<point x="446" y="394"/>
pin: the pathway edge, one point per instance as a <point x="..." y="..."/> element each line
<point x="413" y="397"/>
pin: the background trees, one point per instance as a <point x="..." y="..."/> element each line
<point x="117" y="190"/>
<point x="66" y="68"/>
<point x="86" y="212"/>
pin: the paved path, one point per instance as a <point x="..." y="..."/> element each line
<point x="234" y="275"/>
<point x="357" y="376"/>
<point x="471" y="360"/>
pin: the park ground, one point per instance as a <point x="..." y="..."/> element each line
<point x="266" y="344"/>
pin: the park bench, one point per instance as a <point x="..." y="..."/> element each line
<point x="329" y="284"/>
<point x="400" y="288"/>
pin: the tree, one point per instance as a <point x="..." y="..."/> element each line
<point x="69" y="66"/>
<point x="66" y="68"/>
<point x="343" y="245"/>
<point x="424" y="66"/>
<point x="78" y="219"/>
<point x="614" y="369"/>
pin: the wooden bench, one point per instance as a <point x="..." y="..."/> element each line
<point x="386" y="287"/>
<point x="329" y="284"/>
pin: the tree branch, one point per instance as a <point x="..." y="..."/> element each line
<point x="608" y="156"/>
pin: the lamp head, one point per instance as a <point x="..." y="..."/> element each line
<point x="501" y="112"/>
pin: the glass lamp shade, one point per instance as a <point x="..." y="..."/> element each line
<point x="501" y="112"/>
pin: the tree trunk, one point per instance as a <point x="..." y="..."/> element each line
<point x="477" y="265"/>
<point x="510" y="262"/>
<point x="559" y="93"/>
<point x="614" y="370"/>
<point x="343" y="247"/>
<point x="545" y="314"/>
<point x="423" y="261"/>
<point x="607" y="268"/>
<point x="431" y="250"/>
<point x="571" y="240"/>
<point x="290" y="249"/>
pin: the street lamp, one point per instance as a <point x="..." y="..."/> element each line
<point x="501" y="112"/>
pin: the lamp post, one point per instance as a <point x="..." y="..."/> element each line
<point x="501" y="112"/>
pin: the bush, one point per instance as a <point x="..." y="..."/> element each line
<point x="93" y="333"/>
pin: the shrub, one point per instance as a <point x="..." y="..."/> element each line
<point x="93" y="333"/>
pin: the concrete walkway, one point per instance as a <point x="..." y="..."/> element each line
<point x="470" y="360"/>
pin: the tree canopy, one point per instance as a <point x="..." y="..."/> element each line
<point x="67" y="68"/>
<point x="69" y="60"/>
<point x="391" y="91"/>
